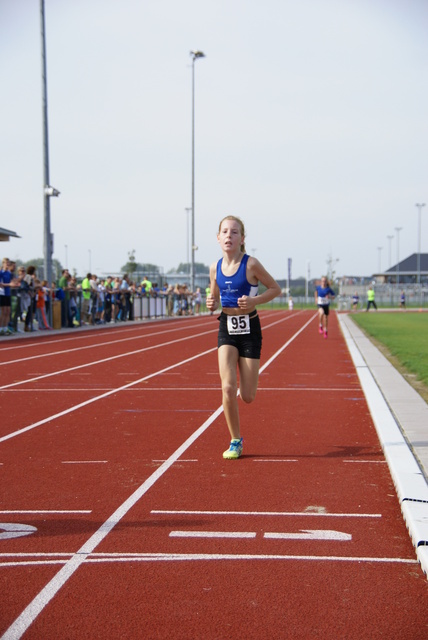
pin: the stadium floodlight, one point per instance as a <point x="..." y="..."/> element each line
<point x="51" y="191"/>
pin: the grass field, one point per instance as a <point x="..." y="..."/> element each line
<point x="404" y="337"/>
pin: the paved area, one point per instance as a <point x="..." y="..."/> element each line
<point x="401" y="418"/>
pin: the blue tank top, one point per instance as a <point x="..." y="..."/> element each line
<point x="235" y="286"/>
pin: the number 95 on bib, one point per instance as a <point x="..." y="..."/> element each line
<point x="238" y="324"/>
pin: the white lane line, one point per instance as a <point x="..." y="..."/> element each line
<point x="98" y="558"/>
<point x="95" y="346"/>
<point x="95" y="388"/>
<point x="102" y="396"/>
<point x="109" y="359"/>
<point x="31" y="563"/>
<point x="122" y="355"/>
<point x="229" y="556"/>
<point x="181" y="460"/>
<point x="268" y="460"/>
<point x="188" y="323"/>
<point x="130" y="384"/>
<point x="212" y="534"/>
<point x="312" y="514"/>
<point x="284" y="346"/>
<point x="153" y="389"/>
<point x="43" y="511"/>
<point x="30" y="613"/>
<point x="365" y="461"/>
<point x="84" y="461"/>
<point x="42" y="599"/>
<point x="317" y="389"/>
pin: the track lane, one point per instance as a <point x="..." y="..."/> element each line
<point x="133" y="364"/>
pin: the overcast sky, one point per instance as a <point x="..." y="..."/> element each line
<point x="311" y="124"/>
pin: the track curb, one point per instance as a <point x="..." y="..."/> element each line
<point x="384" y="388"/>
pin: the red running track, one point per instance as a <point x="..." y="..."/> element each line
<point x="120" y="519"/>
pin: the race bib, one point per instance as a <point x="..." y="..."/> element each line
<point x="323" y="301"/>
<point x="238" y="324"/>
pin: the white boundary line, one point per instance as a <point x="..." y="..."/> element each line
<point x="294" y="514"/>
<point x="98" y="558"/>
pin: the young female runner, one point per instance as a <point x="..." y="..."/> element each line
<point x="234" y="284"/>
<point x="323" y="296"/>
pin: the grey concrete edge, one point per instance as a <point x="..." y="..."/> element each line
<point x="400" y="417"/>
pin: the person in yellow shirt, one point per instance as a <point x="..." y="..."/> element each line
<point x="86" y="297"/>
<point x="146" y="286"/>
<point x="371" y="299"/>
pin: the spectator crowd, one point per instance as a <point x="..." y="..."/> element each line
<point x="28" y="300"/>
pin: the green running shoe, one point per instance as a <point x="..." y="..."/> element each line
<point x="235" y="449"/>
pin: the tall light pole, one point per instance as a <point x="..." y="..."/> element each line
<point x="188" y="210"/>
<point x="195" y="55"/>
<point x="308" y="277"/>
<point x="380" y="252"/>
<point x="48" y="191"/>
<point x="419" y="206"/>
<point x="398" y="229"/>
<point x="389" y="251"/>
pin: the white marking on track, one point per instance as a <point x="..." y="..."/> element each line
<point x="310" y="534"/>
<point x="84" y="461"/>
<point x="109" y="359"/>
<point x="212" y="534"/>
<point x="312" y="514"/>
<point x="10" y="530"/>
<point x="180" y="460"/>
<point x="43" y="511"/>
<point x="365" y="461"/>
<point x="102" y="396"/>
<point x="98" y="558"/>
<point x="268" y="460"/>
<point x="90" y="346"/>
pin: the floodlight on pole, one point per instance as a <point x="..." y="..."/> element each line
<point x="419" y="207"/>
<point x="195" y="55"/>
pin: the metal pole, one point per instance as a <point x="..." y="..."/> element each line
<point x="188" y="209"/>
<point x="192" y="266"/>
<point x="419" y="206"/>
<point x="47" y="244"/>
<point x="380" y="267"/>
<point x="398" y="229"/>
<point x="389" y="252"/>
<point x="308" y="275"/>
<point x="195" y="55"/>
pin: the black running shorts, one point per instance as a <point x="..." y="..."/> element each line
<point x="325" y="308"/>
<point x="249" y="345"/>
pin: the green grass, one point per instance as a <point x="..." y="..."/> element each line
<point x="405" y="335"/>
